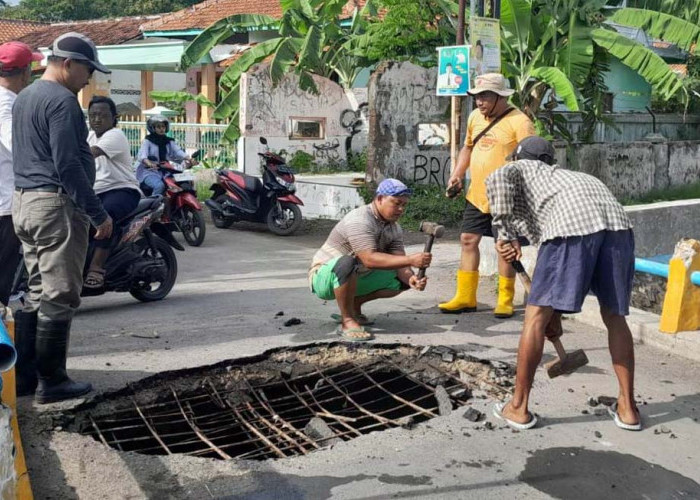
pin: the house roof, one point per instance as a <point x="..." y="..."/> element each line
<point x="13" y="29"/>
<point x="102" y="32"/>
<point x="204" y="14"/>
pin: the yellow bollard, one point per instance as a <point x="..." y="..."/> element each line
<point x="681" y="311"/>
<point x="9" y="398"/>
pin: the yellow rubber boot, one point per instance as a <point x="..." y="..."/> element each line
<point x="465" y="297"/>
<point x="506" y="293"/>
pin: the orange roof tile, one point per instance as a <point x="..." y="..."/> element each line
<point x="13" y="29"/>
<point x="204" y="14"/>
<point x="679" y="69"/>
<point x="102" y="32"/>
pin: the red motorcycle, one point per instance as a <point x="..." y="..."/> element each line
<point x="240" y="197"/>
<point x="181" y="204"/>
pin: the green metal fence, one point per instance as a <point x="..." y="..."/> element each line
<point x="190" y="137"/>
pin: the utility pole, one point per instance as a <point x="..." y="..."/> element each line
<point x="457" y="100"/>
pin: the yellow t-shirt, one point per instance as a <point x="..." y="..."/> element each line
<point x="490" y="152"/>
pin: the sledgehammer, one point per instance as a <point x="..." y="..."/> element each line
<point x="567" y="362"/>
<point x="432" y="230"/>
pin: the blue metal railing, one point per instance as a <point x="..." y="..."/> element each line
<point x="658" y="268"/>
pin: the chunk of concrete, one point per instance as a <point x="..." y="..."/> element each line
<point x="443" y="400"/>
<point x="318" y="430"/>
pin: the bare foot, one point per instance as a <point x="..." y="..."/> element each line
<point x="628" y="412"/>
<point x="519" y="415"/>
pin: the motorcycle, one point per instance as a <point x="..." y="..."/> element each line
<point x="241" y="197"/>
<point x="142" y="262"/>
<point x="182" y="205"/>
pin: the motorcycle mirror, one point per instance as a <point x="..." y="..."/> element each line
<point x="263" y="141"/>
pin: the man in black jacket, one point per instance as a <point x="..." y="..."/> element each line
<point x="54" y="204"/>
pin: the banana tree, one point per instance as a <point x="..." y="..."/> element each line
<point x="553" y="45"/>
<point x="311" y="41"/>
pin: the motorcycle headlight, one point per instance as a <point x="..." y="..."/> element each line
<point x="288" y="185"/>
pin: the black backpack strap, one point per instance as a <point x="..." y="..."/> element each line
<point x="491" y="125"/>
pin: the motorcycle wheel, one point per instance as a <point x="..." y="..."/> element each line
<point x="221" y="221"/>
<point x="286" y="221"/>
<point x="192" y="226"/>
<point x="149" y="292"/>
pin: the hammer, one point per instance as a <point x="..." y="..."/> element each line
<point x="567" y="363"/>
<point x="433" y="230"/>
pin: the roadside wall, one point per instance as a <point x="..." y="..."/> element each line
<point x="270" y="112"/>
<point x="635" y="168"/>
<point x="406" y="119"/>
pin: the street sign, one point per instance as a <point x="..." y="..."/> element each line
<point x="453" y="70"/>
<point x="485" y="38"/>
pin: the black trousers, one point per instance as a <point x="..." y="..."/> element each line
<point x="9" y="256"/>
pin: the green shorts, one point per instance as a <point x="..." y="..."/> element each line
<point x="325" y="281"/>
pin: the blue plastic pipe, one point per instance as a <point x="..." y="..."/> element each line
<point x="8" y="354"/>
<point x="651" y="267"/>
<point x="659" y="269"/>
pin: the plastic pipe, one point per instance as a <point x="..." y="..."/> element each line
<point x="8" y="353"/>
<point x="651" y="267"/>
<point x="659" y="269"/>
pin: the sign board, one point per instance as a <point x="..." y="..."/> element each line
<point x="453" y="70"/>
<point x="485" y="37"/>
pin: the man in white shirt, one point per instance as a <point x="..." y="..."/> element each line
<point x="15" y="73"/>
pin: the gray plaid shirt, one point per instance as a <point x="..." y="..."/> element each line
<point x="542" y="202"/>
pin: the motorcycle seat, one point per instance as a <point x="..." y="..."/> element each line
<point x="250" y="182"/>
<point x="145" y="205"/>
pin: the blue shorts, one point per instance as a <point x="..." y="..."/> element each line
<point x="568" y="268"/>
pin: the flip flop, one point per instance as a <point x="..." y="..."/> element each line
<point x="498" y="413"/>
<point x="612" y="411"/>
<point x="347" y="334"/>
<point x="361" y="319"/>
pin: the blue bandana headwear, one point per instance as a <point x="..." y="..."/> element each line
<point x="393" y="187"/>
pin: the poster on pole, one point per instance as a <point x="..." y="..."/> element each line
<point x="485" y="37"/>
<point x="453" y="70"/>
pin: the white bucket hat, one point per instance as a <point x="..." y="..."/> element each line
<point x="491" y="82"/>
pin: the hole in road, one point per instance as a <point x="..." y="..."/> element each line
<point x="288" y="402"/>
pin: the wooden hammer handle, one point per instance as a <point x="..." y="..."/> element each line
<point x="428" y="247"/>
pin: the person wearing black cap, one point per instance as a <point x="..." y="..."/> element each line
<point x="585" y="244"/>
<point x="53" y="206"/>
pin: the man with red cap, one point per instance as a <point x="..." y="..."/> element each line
<point x="15" y="73"/>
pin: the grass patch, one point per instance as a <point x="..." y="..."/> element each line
<point x="427" y="203"/>
<point x="687" y="192"/>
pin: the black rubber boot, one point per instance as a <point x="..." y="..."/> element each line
<point x="51" y="351"/>
<point x="25" y="342"/>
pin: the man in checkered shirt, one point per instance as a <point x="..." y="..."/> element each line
<point x="585" y="244"/>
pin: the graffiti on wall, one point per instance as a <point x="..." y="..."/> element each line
<point x="409" y="135"/>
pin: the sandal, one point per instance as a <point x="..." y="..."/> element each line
<point x="95" y="279"/>
<point x="355" y="334"/>
<point x="612" y="411"/>
<point x="498" y="413"/>
<point x="361" y="319"/>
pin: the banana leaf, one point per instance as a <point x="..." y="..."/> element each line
<point x="229" y="104"/>
<point x="662" y="26"/>
<point x="640" y="59"/>
<point x="515" y="23"/>
<point x="310" y="51"/>
<point x="285" y="57"/>
<point x="218" y="32"/>
<point x="251" y="56"/>
<point x="576" y="55"/>
<point x="559" y="83"/>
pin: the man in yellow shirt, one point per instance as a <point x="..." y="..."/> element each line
<point x="493" y="131"/>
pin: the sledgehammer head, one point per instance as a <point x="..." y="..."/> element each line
<point x="432" y="228"/>
<point x="572" y="362"/>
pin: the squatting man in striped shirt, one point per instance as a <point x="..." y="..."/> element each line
<point x="364" y="259"/>
<point x="585" y="244"/>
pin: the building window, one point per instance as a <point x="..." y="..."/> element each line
<point x="307" y="128"/>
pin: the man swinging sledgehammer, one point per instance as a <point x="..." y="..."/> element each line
<point x="585" y="243"/>
<point x="364" y="259"/>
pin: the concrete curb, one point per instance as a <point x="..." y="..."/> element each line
<point x="645" y="330"/>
